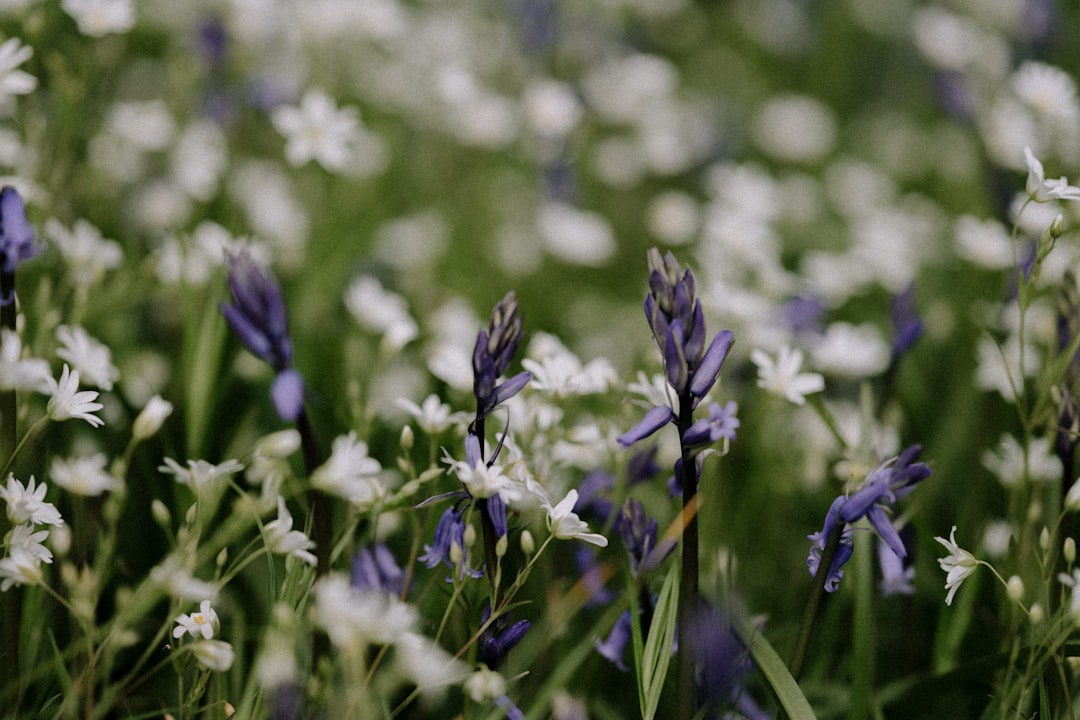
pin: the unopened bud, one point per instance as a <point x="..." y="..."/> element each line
<point x="280" y="444"/>
<point x="501" y="546"/>
<point x="1068" y="549"/>
<point x="1036" y="613"/>
<point x="1044" y="539"/>
<point x="223" y="557"/>
<point x="153" y="415"/>
<point x="528" y="545"/>
<point x="60" y="539"/>
<point x="1057" y="227"/>
<point x="1014" y="588"/>
<point x="456" y="553"/>
<point x="408" y="438"/>
<point x="1072" y="498"/>
<point x="469" y="536"/>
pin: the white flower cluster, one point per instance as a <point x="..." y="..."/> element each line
<point x="26" y="509"/>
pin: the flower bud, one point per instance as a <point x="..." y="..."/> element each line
<point x="469" y="535"/>
<point x="1072" y="498"/>
<point x="408" y="438"/>
<point x="1057" y="226"/>
<point x="1044" y="539"/>
<point x="501" y="546"/>
<point x="528" y="545"/>
<point x="153" y="415"/>
<point x="1014" y="588"/>
<point x="1036" y="613"/>
<point x="280" y="444"/>
<point x="60" y="539"/>
<point x="1069" y="550"/>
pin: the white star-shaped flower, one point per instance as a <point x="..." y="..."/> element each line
<point x="282" y="539"/>
<point x="959" y="563"/>
<point x="1042" y="190"/>
<point x="67" y="402"/>
<point x="318" y="130"/>
<point x="200" y="624"/>
<point x="782" y="377"/>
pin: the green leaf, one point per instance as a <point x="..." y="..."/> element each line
<point x="767" y="660"/>
<point x="652" y="659"/>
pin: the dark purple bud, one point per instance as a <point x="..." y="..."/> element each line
<point x="655" y="419"/>
<point x="258" y="311"/>
<point x="674" y="358"/>
<point x="16" y="234"/>
<point x="495" y="507"/>
<point x="500" y="637"/>
<point x="706" y="373"/>
<point x="907" y="325"/>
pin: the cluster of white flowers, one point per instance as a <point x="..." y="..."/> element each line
<point x="26" y="509"/>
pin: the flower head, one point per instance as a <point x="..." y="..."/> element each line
<point x="17" y="372"/>
<point x="376" y="569"/>
<point x="499" y="637"/>
<point x="283" y="540"/>
<point x="566" y="525"/>
<point x="1042" y="190"/>
<point x="494" y="349"/>
<point x="958" y="564"/>
<point x="350" y="473"/>
<point x="19" y="568"/>
<point x="97" y="18"/>
<point x="89" y="356"/>
<point x="26" y="503"/>
<point x="258" y="318"/>
<point x="85" y="475"/>
<point x="720" y="425"/>
<point x="782" y="377"/>
<point x="14" y="81"/>
<point x="16" y="234"/>
<point x="199" y="624"/>
<point x="318" y="130"/>
<point x="200" y="475"/>
<point x="67" y="402"/>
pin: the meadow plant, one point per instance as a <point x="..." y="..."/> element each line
<point x="325" y="391"/>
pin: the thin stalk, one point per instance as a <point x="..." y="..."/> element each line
<point x="813" y="603"/>
<point x="9" y="601"/>
<point x="321" y="520"/>
<point x="688" y="589"/>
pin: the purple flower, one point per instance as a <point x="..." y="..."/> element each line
<point x="613" y="648"/>
<point x="499" y="637"/>
<point x="678" y="326"/>
<point x="16" y="234"/>
<point x="258" y="318"/>
<point x="492" y="353"/>
<point x="376" y="569"/>
<point x="907" y="325"/>
<point x="884" y="486"/>
<point x="720" y="660"/>
<point x="721" y="423"/>
<point x="638" y="532"/>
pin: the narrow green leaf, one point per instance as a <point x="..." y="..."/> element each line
<point x="767" y="660"/>
<point x="657" y="653"/>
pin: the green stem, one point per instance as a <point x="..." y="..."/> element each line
<point x="813" y="603"/>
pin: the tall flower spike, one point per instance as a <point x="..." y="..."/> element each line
<point x="258" y="318"/>
<point x="494" y="349"/>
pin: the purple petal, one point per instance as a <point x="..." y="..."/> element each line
<point x="511" y="387"/>
<point x="880" y="520"/>
<point x="674" y="359"/>
<point x="861" y="501"/>
<point x="287" y="392"/>
<point x="253" y="338"/>
<point x="706" y="373"/>
<point x="654" y="420"/>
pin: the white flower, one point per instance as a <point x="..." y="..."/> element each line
<point x="215" y="655"/>
<point x="485" y="684"/>
<point x="382" y="311"/>
<point x="1042" y="190"/>
<point x="782" y="377"/>
<point x="14" y="81"/>
<point x="579" y="237"/>
<point x="178" y="581"/>
<point x="24" y="539"/>
<point x="852" y="350"/>
<point x="26" y="503"/>
<point x="67" y="403"/>
<point x="433" y="415"/>
<point x="420" y="659"/>
<point x="558" y="372"/>
<point x="317" y="130"/>
<point x="84" y="475"/>
<point x="199" y="624"/>
<point x="282" y="539"/>
<point x="97" y="18"/>
<point x="566" y="525"/>
<point x="88" y="255"/>
<point x="90" y="357"/>
<point x="199" y="474"/>
<point x="350" y="474"/>
<point x="480" y="479"/>
<point x="151" y="418"/>
<point x="959" y="563"/>
<point x="19" y="568"/>
<point x="1011" y="464"/>
<point x="351" y="616"/>
<point x="17" y="373"/>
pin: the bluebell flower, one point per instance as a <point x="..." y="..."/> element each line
<point x="376" y="569"/>
<point x="884" y="486"/>
<point x="678" y="326"/>
<point x="907" y="325"/>
<point x="720" y="425"/>
<point x="720" y="660"/>
<point x="449" y="532"/>
<point x="896" y="573"/>
<point x="614" y="647"/>
<point x="499" y="637"/>
<point x="494" y="349"/>
<point x="16" y="239"/>
<point x="638" y="532"/>
<point x="259" y="319"/>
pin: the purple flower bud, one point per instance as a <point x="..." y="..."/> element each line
<point x="16" y="234"/>
<point x="614" y="647"/>
<point x="500" y="637"/>
<point x="494" y="349"/>
<point x="376" y="569"/>
<point x="258" y="313"/>
<point x="655" y="419"/>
